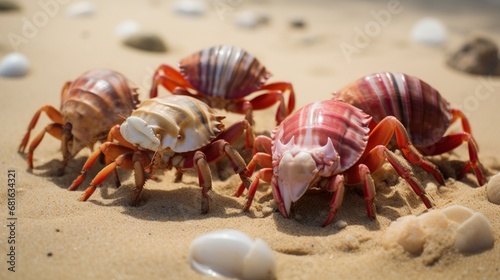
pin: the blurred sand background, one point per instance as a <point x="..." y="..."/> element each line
<point x="58" y="237"/>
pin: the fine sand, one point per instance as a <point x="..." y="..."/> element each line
<point x="58" y="237"/>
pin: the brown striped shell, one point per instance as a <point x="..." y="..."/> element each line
<point x="420" y="108"/>
<point x="183" y="124"/>
<point x="224" y="71"/>
<point x="93" y="103"/>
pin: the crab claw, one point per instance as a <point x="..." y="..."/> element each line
<point x="136" y="131"/>
<point x="296" y="173"/>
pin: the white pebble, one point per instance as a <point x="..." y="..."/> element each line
<point x="233" y="254"/>
<point x="429" y="31"/>
<point x="190" y="7"/>
<point x="493" y="189"/>
<point x="250" y="19"/>
<point x="127" y="28"/>
<point x="14" y="65"/>
<point x="81" y="9"/>
<point x="340" y="224"/>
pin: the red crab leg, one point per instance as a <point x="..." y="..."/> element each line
<point x="282" y="87"/>
<point x="265" y="161"/>
<point x="234" y="132"/>
<point x="375" y="159"/>
<point x="263" y="142"/>
<point x="457" y="114"/>
<point x="382" y="134"/>
<point x="216" y="150"/>
<point x="204" y="179"/>
<point x="450" y="142"/>
<point x="273" y="93"/>
<point x="169" y="78"/>
<point x="112" y="152"/>
<point x="336" y="185"/>
<point x="51" y="112"/>
<point x="264" y="174"/>
<point x="54" y="129"/>
<point x="139" y="161"/>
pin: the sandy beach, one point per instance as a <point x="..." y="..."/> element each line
<point x="58" y="237"/>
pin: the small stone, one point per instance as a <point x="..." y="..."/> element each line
<point x="14" y="65"/>
<point x="478" y="55"/>
<point x="190" y="7"/>
<point x="351" y="242"/>
<point x="297" y="23"/>
<point x="429" y="31"/>
<point x="493" y="189"/>
<point x="250" y="19"/>
<point x="127" y="28"/>
<point x="340" y="224"/>
<point x="146" y="42"/>
<point x="81" y="9"/>
<point x="9" y="6"/>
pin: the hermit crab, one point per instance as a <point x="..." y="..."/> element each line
<point x="222" y="76"/>
<point x="166" y="132"/>
<point x="90" y="106"/>
<point x="424" y="113"/>
<point x="328" y="144"/>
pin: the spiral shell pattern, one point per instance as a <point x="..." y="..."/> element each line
<point x="224" y="71"/>
<point x="420" y="108"/>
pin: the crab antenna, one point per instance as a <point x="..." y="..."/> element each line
<point x="124" y="118"/>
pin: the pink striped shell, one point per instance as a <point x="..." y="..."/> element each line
<point x="420" y="108"/>
<point x="224" y="71"/>
<point x="335" y="133"/>
<point x="321" y="139"/>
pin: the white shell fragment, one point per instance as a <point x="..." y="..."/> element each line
<point x="474" y="233"/>
<point x="127" y="28"/>
<point x="429" y="31"/>
<point x="466" y="230"/>
<point x="81" y="9"/>
<point x="493" y="189"/>
<point x="14" y="65"/>
<point x="190" y="7"/>
<point x="233" y="254"/>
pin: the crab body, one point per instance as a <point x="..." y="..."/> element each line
<point x="321" y="140"/>
<point x="424" y="113"/>
<point x="331" y="142"/>
<point x="222" y="76"/>
<point x="90" y="106"/>
<point x="172" y="131"/>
